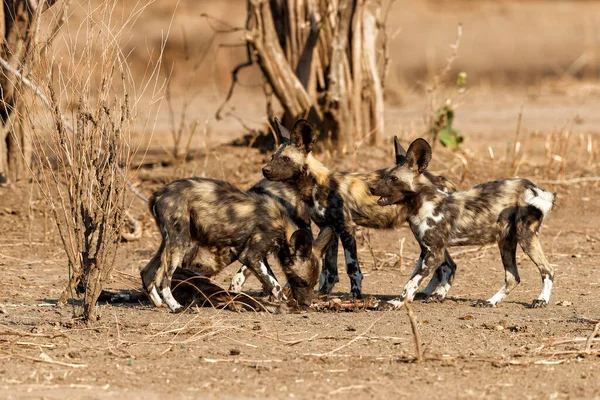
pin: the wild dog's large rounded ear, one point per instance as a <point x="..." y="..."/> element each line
<point x="283" y="133"/>
<point x="322" y="241"/>
<point x="301" y="243"/>
<point x="303" y="135"/>
<point x="418" y="155"/>
<point x="400" y="152"/>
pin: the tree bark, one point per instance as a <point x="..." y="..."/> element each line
<point x="323" y="59"/>
<point x="17" y="25"/>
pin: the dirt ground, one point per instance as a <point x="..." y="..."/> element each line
<point x="512" y="351"/>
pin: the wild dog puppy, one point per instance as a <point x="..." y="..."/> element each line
<point x="292" y="197"/>
<point x="226" y="224"/>
<point x="507" y="212"/>
<point x="342" y="200"/>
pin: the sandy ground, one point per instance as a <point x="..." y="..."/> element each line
<point x="142" y="352"/>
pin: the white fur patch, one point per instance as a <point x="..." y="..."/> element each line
<point x="540" y="199"/>
<point x="546" y="290"/>
<point x="276" y="290"/>
<point x="154" y="297"/>
<point x="442" y="290"/>
<point x="423" y="215"/>
<point x="238" y="280"/>
<point x="396" y="303"/>
<point x="169" y="299"/>
<point x="498" y="297"/>
<point x="411" y="287"/>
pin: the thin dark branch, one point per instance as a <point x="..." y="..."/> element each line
<point x="234" y="80"/>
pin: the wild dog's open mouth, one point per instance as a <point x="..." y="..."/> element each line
<point x="384" y="200"/>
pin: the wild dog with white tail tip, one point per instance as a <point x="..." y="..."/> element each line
<point x="213" y="223"/>
<point x="507" y="212"/>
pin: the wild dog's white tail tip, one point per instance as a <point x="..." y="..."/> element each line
<point x="540" y="199"/>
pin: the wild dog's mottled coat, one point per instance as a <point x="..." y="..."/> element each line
<point x="507" y="212"/>
<point x="218" y="219"/>
<point x="289" y="197"/>
<point x="339" y="199"/>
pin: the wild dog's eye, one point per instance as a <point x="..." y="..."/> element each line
<point x="394" y="178"/>
<point x="285" y="158"/>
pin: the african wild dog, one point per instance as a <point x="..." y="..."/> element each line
<point x="342" y="200"/>
<point x="290" y="198"/>
<point x="225" y="224"/>
<point x="507" y="212"/>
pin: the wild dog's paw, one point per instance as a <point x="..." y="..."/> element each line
<point x="483" y="304"/>
<point x="155" y="297"/>
<point x="539" y="303"/>
<point x="356" y="294"/>
<point x="327" y="283"/>
<point x="435" y="298"/>
<point x="177" y="310"/>
<point x="394" y="304"/>
<point x="420" y="296"/>
<point x="277" y="295"/>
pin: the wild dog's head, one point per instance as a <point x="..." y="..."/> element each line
<point x="288" y="161"/>
<point x="402" y="181"/>
<point x="301" y="262"/>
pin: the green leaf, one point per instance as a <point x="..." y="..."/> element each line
<point x="450" y="138"/>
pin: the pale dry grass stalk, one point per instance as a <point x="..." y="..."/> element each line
<point x="433" y="89"/>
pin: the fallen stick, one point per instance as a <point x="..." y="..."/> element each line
<point x="588" y="343"/>
<point x="16" y="333"/>
<point x="47" y="360"/>
<point x="415" y="331"/>
<point x="236" y="360"/>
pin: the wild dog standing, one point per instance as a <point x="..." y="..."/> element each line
<point x="227" y="224"/>
<point x="507" y="212"/>
<point x="342" y="200"/>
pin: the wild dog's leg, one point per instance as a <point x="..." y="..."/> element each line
<point x="148" y="273"/>
<point x="352" y="267"/>
<point x="508" y="251"/>
<point x="329" y="275"/>
<point x="254" y="256"/>
<point x="172" y="257"/>
<point x="238" y="279"/>
<point x="242" y="275"/>
<point x="438" y="287"/>
<point x="532" y="247"/>
<point x="429" y="258"/>
<point x="434" y="282"/>
<point x="446" y="273"/>
<point x="270" y="284"/>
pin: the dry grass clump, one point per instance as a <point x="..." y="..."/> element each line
<point x="82" y="157"/>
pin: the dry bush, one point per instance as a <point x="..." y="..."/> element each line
<point x="83" y="158"/>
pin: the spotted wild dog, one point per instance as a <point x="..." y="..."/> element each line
<point x="507" y="212"/>
<point x="343" y="200"/>
<point x="290" y="198"/>
<point x="226" y="224"/>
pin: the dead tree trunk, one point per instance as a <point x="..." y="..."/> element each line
<point x="18" y="21"/>
<point x="325" y="60"/>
